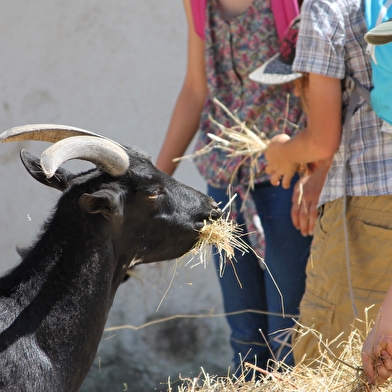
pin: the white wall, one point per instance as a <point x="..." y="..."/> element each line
<point x="114" y="68"/>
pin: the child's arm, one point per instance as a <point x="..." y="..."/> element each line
<point x="185" y="119"/>
<point x="321" y="138"/>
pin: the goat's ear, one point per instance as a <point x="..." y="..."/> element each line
<point x="105" y="202"/>
<point x="32" y="164"/>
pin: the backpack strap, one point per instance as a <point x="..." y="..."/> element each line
<point x="284" y="12"/>
<point x="198" y="8"/>
<point x="354" y="86"/>
<point x="356" y="91"/>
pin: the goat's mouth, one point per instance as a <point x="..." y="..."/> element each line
<point x="214" y="216"/>
<point x="199" y="225"/>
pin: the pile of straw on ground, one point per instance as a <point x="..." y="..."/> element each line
<point x="327" y="374"/>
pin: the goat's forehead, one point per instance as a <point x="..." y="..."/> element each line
<point x="135" y="153"/>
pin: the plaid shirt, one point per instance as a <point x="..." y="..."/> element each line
<point x="331" y="43"/>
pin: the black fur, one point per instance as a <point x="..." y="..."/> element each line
<point x="54" y="304"/>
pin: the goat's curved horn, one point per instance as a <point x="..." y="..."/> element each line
<point x="43" y="132"/>
<point x="103" y="152"/>
<point x="46" y="133"/>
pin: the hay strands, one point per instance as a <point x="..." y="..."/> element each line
<point x="326" y="374"/>
<point x="223" y="233"/>
<point x="238" y="140"/>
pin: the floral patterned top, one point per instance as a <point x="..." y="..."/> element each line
<point x="232" y="51"/>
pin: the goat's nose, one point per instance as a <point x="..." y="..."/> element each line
<point x="216" y="211"/>
<point x="214" y="204"/>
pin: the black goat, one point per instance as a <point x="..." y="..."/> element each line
<point x="54" y="304"/>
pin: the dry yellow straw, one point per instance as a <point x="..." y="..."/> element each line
<point x="226" y="236"/>
<point x="239" y="141"/>
<point x="327" y="374"/>
<point x="223" y="233"/>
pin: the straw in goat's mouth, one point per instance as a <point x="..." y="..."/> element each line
<point x="225" y="235"/>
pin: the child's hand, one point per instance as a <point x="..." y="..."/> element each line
<point x="279" y="167"/>
<point x="304" y="210"/>
<point x="377" y="351"/>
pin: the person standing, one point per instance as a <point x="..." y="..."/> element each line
<point x="350" y="267"/>
<point x="232" y="38"/>
<point x="377" y="348"/>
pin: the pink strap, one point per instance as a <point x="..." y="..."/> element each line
<point x="284" y="12"/>
<point x="199" y="16"/>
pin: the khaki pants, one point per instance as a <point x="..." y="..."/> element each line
<point x="326" y="305"/>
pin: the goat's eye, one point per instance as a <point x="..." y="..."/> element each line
<point x="156" y="193"/>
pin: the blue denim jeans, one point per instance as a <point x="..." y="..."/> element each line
<point x="286" y="256"/>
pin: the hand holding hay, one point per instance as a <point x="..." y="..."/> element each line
<point x="280" y="169"/>
<point x="377" y="348"/>
<point x="239" y="141"/>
